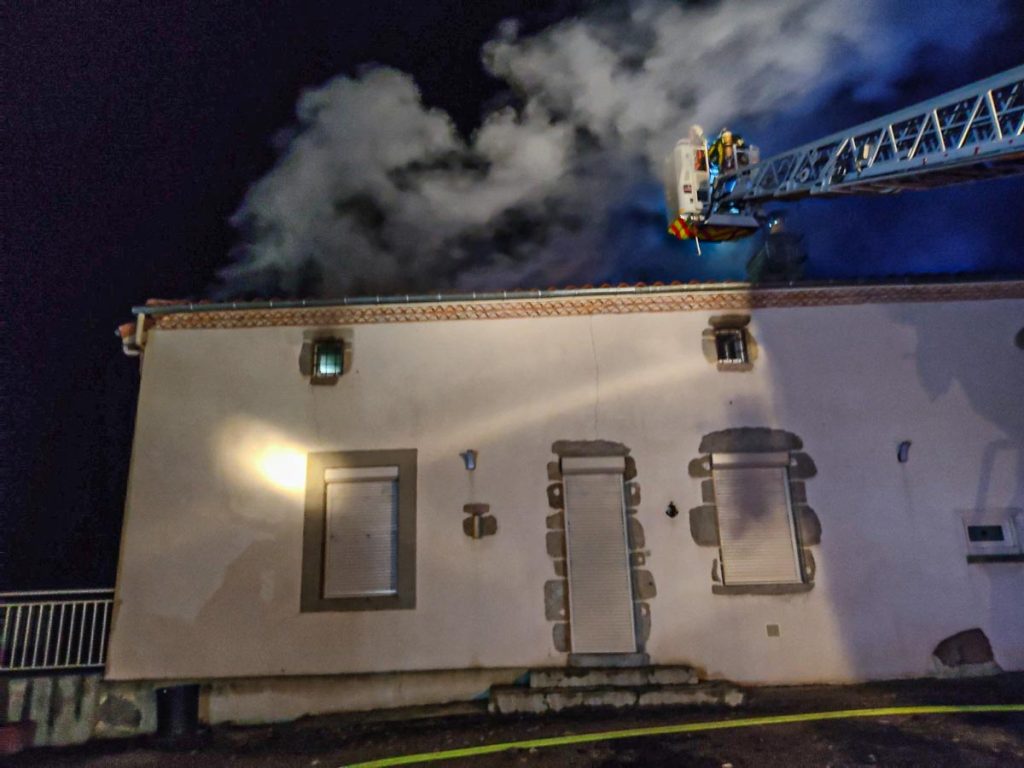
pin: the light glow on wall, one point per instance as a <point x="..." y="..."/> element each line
<point x="259" y="456"/>
<point x="604" y="397"/>
<point x="284" y="468"/>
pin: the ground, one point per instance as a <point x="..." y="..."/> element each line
<point x="935" y="741"/>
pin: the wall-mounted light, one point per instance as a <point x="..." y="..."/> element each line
<point x="469" y="457"/>
<point x="903" y="452"/>
<point x="672" y="510"/>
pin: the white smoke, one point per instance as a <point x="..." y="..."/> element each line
<point x="377" y="192"/>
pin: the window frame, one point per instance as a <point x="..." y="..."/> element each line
<point x="314" y="528"/>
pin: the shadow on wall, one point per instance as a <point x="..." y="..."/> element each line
<point x="882" y="590"/>
<point x="988" y="366"/>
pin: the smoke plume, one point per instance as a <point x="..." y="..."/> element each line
<point x="375" y="191"/>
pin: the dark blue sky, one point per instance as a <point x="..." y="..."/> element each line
<point x="132" y="133"/>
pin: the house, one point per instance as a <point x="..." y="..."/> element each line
<point x="369" y="503"/>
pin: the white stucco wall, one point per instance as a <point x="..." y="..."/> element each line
<point x="211" y="553"/>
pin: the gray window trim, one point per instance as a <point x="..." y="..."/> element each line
<point x="312" y="599"/>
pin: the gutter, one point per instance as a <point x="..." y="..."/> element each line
<point x="142" y="311"/>
<point x="427" y="298"/>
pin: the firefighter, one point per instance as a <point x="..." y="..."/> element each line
<point x="722" y="153"/>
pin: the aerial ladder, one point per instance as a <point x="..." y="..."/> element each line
<point x="717" y="192"/>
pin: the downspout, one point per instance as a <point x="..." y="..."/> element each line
<point x="133" y="343"/>
<point x="140" y="331"/>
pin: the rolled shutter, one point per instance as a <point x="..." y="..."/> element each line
<point x="594" y="465"/>
<point x="755" y="520"/>
<point x="361" y="531"/>
<point x="600" y="591"/>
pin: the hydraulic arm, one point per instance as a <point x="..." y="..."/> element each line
<point x="974" y="132"/>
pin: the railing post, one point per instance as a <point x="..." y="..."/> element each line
<point x="60" y="634"/>
<point x="49" y="627"/>
<point x="107" y="608"/>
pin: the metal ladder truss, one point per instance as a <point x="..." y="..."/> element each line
<point x="975" y="132"/>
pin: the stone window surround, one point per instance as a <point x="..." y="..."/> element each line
<point x="709" y="342"/>
<point x="312" y="599"/>
<point x="704" y="519"/>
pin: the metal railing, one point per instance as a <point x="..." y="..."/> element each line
<point x="54" y="630"/>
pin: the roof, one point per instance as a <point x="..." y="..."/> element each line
<point x="570" y="301"/>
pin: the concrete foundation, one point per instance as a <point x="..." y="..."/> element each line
<point x="591" y="678"/>
<point x="278" y="699"/>
<point x="71" y="709"/>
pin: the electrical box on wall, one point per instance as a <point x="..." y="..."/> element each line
<point x="993" y="534"/>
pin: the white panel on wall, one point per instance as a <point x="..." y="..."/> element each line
<point x="600" y="591"/>
<point x="755" y="521"/>
<point x="360" y="544"/>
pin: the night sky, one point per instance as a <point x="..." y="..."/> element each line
<point x="132" y="134"/>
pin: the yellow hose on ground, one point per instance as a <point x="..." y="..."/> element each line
<point x="664" y="730"/>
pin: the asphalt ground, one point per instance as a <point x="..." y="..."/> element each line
<point x="932" y="740"/>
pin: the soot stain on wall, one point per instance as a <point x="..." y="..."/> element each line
<point x="704" y="518"/>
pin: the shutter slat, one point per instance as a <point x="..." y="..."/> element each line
<point x="755" y="524"/>
<point x="361" y="535"/>
<point x="600" y="593"/>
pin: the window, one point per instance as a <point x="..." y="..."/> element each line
<point x="977" y="533"/>
<point x="755" y="513"/>
<point x="328" y="357"/>
<point x="731" y="346"/>
<point x="359" y="540"/>
<point x="360" y="531"/>
<point x="728" y="343"/>
<point x="757" y="535"/>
